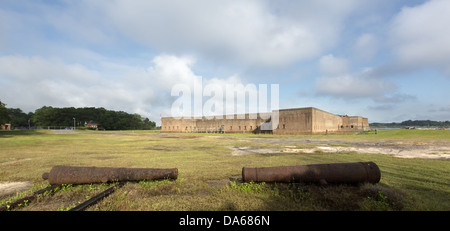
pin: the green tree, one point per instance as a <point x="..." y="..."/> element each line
<point x="18" y="117"/>
<point x="44" y="116"/>
<point x="4" y="116"/>
<point x="107" y="119"/>
<point x="148" y="124"/>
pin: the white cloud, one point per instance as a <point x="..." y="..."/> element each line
<point x="331" y="65"/>
<point x="395" y="98"/>
<point x="34" y="69"/>
<point x="337" y="80"/>
<point x="366" y="46"/>
<point x="249" y="32"/>
<point x="420" y="36"/>
<point x="32" y="82"/>
<point x="115" y="54"/>
<point x="352" y="86"/>
<point x="168" y="70"/>
<point x="255" y="33"/>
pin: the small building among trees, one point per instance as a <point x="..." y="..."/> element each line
<point x="5" y="127"/>
<point x="91" y="125"/>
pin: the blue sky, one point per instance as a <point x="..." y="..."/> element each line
<point x="385" y="60"/>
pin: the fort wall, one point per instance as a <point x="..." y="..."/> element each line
<point x="290" y="121"/>
<point x="294" y="121"/>
<point x="325" y="122"/>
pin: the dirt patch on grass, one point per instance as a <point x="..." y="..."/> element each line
<point x="244" y="150"/>
<point x="10" y="188"/>
<point x="218" y="183"/>
<point x="402" y="149"/>
<point x="180" y="136"/>
<point x="104" y="157"/>
<point x="14" y="161"/>
<point x="166" y="148"/>
<point x="63" y="131"/>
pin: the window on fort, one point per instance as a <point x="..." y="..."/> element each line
<point x="342" y="126"/>
<point x="239" y="127"/>
<point x="186" y="128"/>
<point x="245" y="127"/>
<point x="352" y="126"/>
<point x="284" y="126"/>
<point x="231" y="127"/>
<point x="251" y="127"/>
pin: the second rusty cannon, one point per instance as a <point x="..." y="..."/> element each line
<point x="86" y="175"/>
<point x="341" y="173"/>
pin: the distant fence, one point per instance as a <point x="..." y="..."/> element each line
<point x="66" y="128"/>
<point x="44" y="127"/>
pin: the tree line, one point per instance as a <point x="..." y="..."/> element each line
<point x="412" y="123"/>
<point x="64" y="117"/>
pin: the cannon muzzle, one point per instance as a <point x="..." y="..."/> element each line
<point x="341" y="173"/>
<point x="87" y="175"/>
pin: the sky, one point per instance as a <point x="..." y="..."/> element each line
<point x="387" y="60"/>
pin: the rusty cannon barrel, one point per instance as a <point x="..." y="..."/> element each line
<point x="340" y="173"/>
<point x="86" y="175"/>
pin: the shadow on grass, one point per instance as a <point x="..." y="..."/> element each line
<point x="337" y="197"/>
<point x="315" y="197"/>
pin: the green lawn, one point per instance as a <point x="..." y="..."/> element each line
<point x="205" y="165"/>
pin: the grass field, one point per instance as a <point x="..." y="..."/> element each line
<point x="205" y="166"/>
